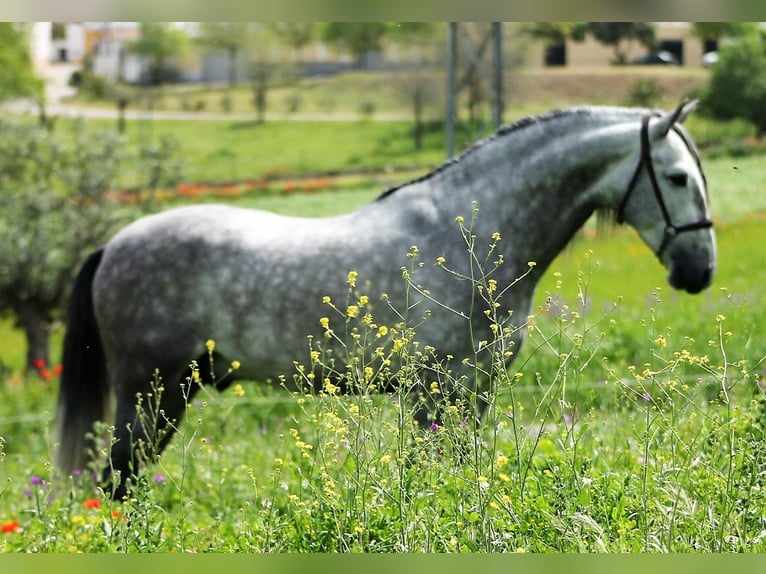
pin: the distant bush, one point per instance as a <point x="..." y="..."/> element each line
<point x="645" y="93"/>
<point x="737" y="87"/>
<point x="90" y="84"/>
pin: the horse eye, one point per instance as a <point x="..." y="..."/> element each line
<point x="678" y="178"/>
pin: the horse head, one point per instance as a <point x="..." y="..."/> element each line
<point x="666" y="200"/>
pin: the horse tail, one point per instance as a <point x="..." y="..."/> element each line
<point x="84" y="390"/>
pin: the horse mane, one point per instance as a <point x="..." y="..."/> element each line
<point x="503" y="131"/>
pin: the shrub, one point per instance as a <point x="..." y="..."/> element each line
<point x="737" y="87"/>
<point x="54" y="209"/>
<point x="645" y="93"/>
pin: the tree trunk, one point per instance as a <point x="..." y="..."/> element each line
<point x="36" y="324"/>
<point x="232" y="67"/>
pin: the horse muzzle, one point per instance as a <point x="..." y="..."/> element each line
<point x="691" y="270"/>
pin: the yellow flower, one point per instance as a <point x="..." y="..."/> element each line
<point x="329" y="388"/>
<point x="235" y="365"/>
<point x="78" y="521"/>
<point x="352" y="275"/>
<point x="325" y="322"/>
<point x="363" y="300"/>
<point x="440" y="260"/>
<point x="382" y="331"/>
<point x="326" y="300"/>
<point x="239" y="390"/>
<point x="435" y="388"/>
<point x="352" y="311"/>
<point x="210" y="344"/>
<point x="496" y="236"/>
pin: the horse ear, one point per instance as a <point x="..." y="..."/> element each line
<point x="661" y="127"/>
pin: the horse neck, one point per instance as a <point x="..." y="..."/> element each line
<point x="538" y="184"/>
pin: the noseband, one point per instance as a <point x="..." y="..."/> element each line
<point x="671" y="229"/>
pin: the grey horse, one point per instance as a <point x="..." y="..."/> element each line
<point x="255" y="282"/>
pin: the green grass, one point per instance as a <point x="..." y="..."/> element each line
<point x="219" y="151"/>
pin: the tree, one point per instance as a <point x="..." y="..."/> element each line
<point x="616" y="34"/>
<point x="160" y="43"/>
<point x="359" y="38"/>
<point x="552" y="33"/>
<point x="297" y="35"/>
<point x="418" y="85"/>
<point x="717" y="31"/>
<point x="54" y="209"/>
<point x="232" y="37"/>
<point x="18" y="78"/>
<point x="737" y="86"/>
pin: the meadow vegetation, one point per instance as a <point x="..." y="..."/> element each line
<point x="632" y="421"/>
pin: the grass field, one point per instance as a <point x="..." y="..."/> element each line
<point x="632" y="421"/>
<point x="615" y="436"/>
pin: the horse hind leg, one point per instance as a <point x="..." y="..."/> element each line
<point x="145" y="422"/>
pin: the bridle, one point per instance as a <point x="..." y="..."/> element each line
<point x="671" y="229"/>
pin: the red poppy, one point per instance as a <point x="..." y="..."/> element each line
<point x="92" y="503"/>
<point x="57" y="370"/>
<point x="10" y="526"/>
<point x="38" y="364"/>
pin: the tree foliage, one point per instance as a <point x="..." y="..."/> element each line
<point x="160" y="44"/>
<point x="719" y="30"/>
<point x="297" y="35"/>
<point x="737" y="87"/>
<point x="18" y="78"/>
<point x="359" y="38"/>
<point x="555" y="32"/>
<point x="233" y="38"/>
<point x="618" y="34"/>
<point x="54" y="209"/>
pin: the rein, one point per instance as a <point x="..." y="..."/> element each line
<point x="671" y="229"/>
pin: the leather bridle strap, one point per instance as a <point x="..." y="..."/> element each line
<point x="671" y="229"/>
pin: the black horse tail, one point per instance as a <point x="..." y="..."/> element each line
<point x="84" y="395"/>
